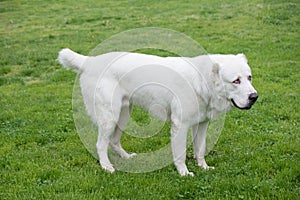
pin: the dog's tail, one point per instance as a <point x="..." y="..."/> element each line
<point x="71" y="60"/>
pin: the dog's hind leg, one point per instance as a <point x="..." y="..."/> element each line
<point x="107" y="117"/>
<point x="108" y="106"/>
<point x="115" y="139"/>
<point x="105" y="131"/>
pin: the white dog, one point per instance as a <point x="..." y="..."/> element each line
<point x="187" y="91"/>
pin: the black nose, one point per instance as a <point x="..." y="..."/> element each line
<point x="253" y="97"/>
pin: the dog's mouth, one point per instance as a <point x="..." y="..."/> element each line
<point x="242" y="108"/>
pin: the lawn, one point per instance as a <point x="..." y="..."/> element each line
<point x="41" y="155"/>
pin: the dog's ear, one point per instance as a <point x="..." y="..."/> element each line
<point x="201" y="87"/>
<point x="216" y="72"/>
<point x="202" y="84"/>
<point x="216" y="69"/>
<point x="243" y="56"/>
<point x="216" y="77"/>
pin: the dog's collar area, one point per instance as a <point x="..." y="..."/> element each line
<point x="242" y="108"/>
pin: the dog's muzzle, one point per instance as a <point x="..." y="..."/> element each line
<point x="252" y="99"/>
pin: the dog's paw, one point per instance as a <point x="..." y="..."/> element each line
<point x="183" y="170"/>
<point x="202" y="164"/>
<point x="132" y="155"/>
<point x="108" y="168"/>
<point x="129" y="155"/>
<point x="207" y="167"/>
<point x="186" y="173"/>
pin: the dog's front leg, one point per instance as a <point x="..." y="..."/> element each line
<point x="178" y="143"/>
<point x="199" y="139"/>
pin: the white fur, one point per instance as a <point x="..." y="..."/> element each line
<point x="190" y="91"/>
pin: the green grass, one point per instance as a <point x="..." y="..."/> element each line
<point x="41" y="155"/>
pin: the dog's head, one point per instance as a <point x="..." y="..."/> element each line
<point x="235" y="75"/>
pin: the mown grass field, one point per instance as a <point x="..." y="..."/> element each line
<point x="41" y="155"/>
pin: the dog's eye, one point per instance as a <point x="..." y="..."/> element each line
<point x="250" y="78"/>
<point x="236" y="81"/>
